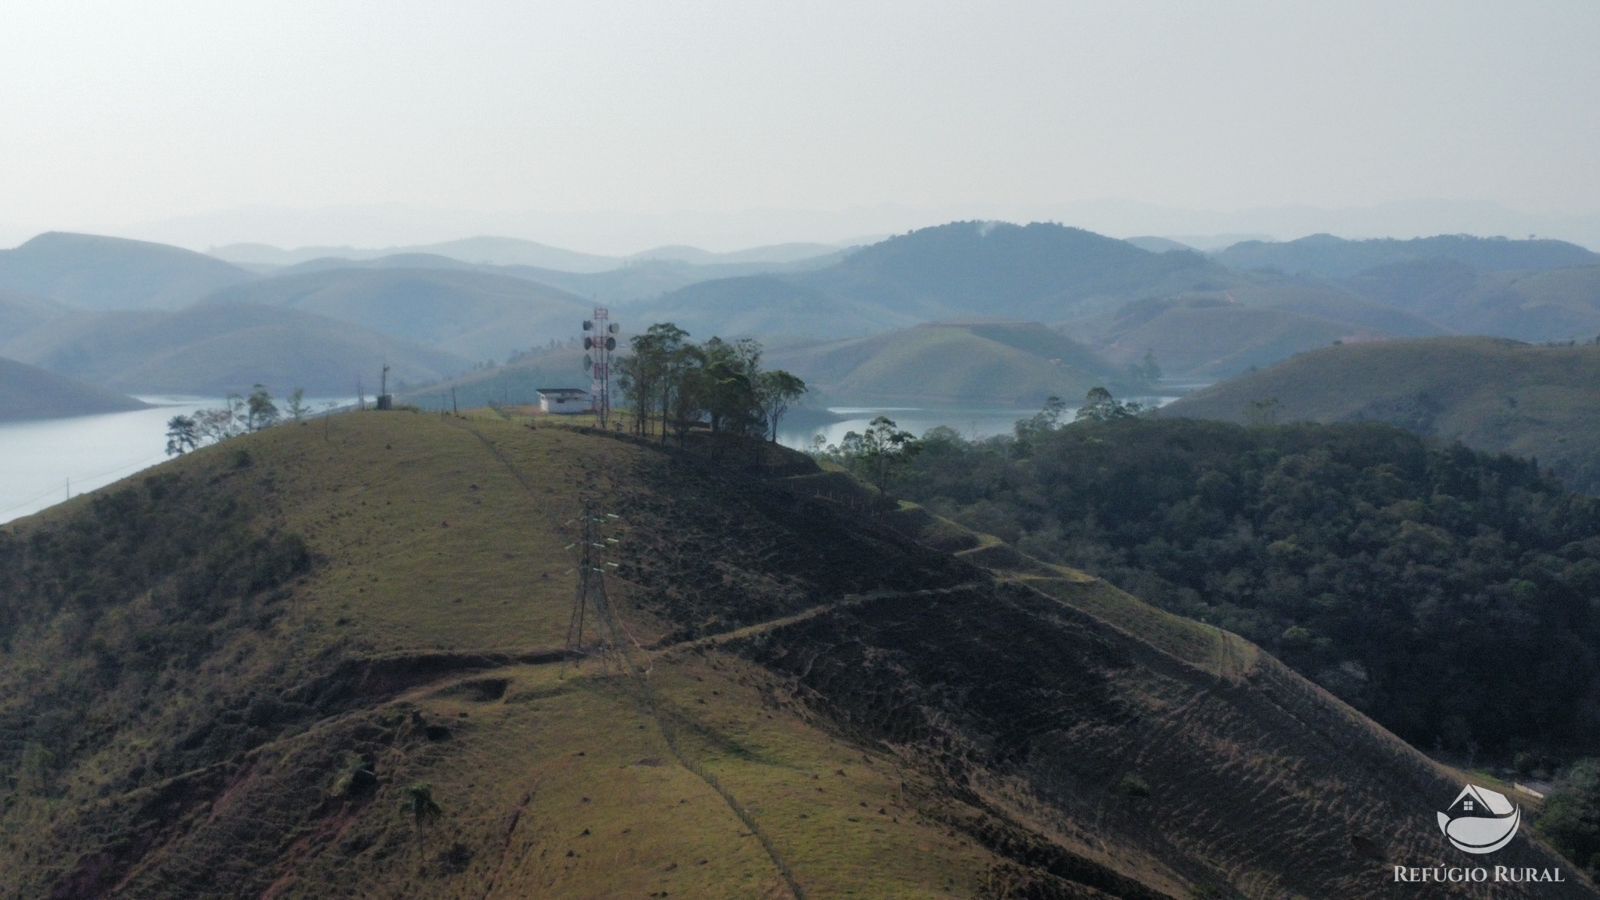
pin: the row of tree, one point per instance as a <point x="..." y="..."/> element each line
<point x="884" y="449"/>
<point x="240" y="415"/>
<point x="673" y="383"/>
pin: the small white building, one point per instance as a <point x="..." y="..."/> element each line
<point x="564" y="401"/>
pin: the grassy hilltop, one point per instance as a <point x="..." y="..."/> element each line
<point x="327" y="660"/>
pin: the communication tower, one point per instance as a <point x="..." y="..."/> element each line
<point x="599" y="341"/>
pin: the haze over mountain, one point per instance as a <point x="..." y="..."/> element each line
<point x="621" y="233"/>
<point x="960" y="270"/>
<point x="633" y="280"/>
<point x="222" y="348"/>
<point x="1003" y="632"/>
<point x="1551" y="305"/>
<point x="1194" y="317"/>
<point x="1333" y="257"/>
<point x="1491" y="394"/>
<point x="28" y="392"/>
<point x="470" y="314"/>
<point x="505" y="251"/>
<point x="95" y="272"/>
<point x="1211" y="335"/>
<point x="1001" y="364"/>
<point x="19" y="312"/>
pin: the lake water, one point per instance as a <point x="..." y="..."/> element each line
<point x="41" y="460"/>
<point x="973" y="423"/>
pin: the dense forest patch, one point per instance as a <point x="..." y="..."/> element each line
<point x="1454" y="596"/>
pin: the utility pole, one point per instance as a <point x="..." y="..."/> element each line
<point x="384" y="400"/>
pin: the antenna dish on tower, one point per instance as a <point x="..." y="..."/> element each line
<point x="598" y="363"/>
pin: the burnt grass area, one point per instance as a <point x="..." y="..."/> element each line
<point x="134" y="595"/>
<point x="233" y="827"/>
<point x="739" y="550"/>
<point x="980" y="672"/>
<point x="972" y="684"/>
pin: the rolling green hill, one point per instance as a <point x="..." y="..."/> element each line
<point x="1039" y="271"/>
<point x="1005" y="364"/>
<point x="1554" y="305"/>
<point x="329" y="660"/>
<point x="93" y="272"/>
<point x="28" y="392"/>
<point x="1217" y="335"/>
<point x="471" y="314"/>
<point x="217" y="348"/>
<point x="768" y="306"/>
<point x="1333" y="257"/>
<point x="1490" y="394"/>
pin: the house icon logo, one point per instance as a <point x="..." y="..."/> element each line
<point x="1480" y="820"/>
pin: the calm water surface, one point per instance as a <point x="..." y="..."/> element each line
<point x="973" y="423"/>
<point x="41" y="460"/>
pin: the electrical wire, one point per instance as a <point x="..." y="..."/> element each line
<point x="126" y="468"/>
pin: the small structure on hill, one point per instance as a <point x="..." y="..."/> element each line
<point x="564" y="401"/>
<point x="385" y="399"/>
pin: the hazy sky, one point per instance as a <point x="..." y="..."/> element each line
<point x="117" y="114"/>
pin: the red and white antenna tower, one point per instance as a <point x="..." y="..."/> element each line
<point x="600" y="340"/>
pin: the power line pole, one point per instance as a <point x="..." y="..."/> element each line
<point x="591" y="589"/>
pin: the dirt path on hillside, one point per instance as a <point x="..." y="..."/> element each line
<point x="639" y="677"/>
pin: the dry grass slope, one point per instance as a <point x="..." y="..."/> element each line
<point x="807" y="701"/>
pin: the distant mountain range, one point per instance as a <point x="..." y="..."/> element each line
<point x="469" y="314"/>
<point x="436" y="310"/>
<point x="91" y="272"/>
<point x="1491" y="394"/>
<point x="1332" y="257"/>
<point x="1217" y="334"/>
<point x="218" y="348"/>
<point x="503" y="251"/>
<point x="634" y="281"/>
<point x="989" y="363"/>
<point x="1001" y="364"/>
<point x="20" y="313"/>
<point x="962" y="270"/>
<point x="29" y="392"/>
